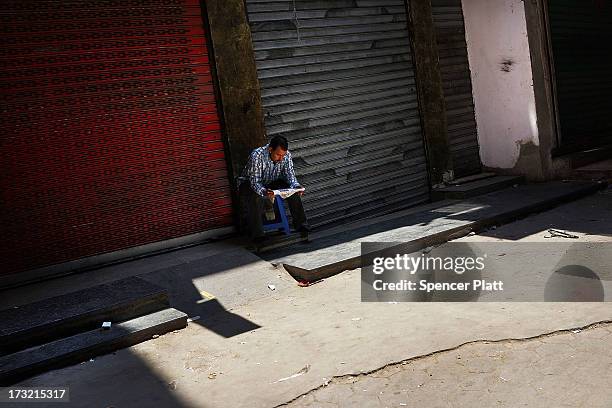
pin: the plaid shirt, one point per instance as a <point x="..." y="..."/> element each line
<point x="261" y="170"/>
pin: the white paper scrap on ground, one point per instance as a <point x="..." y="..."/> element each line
<point x="303" y="371"/>
<point x="287" y="192"/>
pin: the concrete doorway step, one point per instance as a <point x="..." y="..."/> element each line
<point x="66" y="329"/>
<point x="478" y="184"/>
<point x="601" y="170"/>
<point x="339" y="249"/>
<point x="464" y="187"/>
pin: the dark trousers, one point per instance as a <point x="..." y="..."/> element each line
<point x="257" y="203"/>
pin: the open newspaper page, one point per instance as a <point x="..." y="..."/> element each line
<point x="287" y="192"/>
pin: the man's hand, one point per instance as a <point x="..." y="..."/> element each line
<point x="301" y="193"/>
<point x="269" y="193"/>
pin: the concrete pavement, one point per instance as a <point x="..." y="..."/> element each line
<point x="567" y="369"/>
<point x="287" y="342"/>
<point x="324" y="328"/>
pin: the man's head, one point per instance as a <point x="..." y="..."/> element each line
<point x="278" y="147"/>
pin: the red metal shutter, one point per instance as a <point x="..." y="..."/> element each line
<point x="110" y="135"/>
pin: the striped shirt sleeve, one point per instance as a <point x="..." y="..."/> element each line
<point x="290" y="173"/>
<point x="254" y="171"/>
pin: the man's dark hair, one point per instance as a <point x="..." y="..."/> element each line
<point x="277" y="141"/>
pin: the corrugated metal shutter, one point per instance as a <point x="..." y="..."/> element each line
<point x="581" y="36"/>
<point x="110" y="135"/>
<point x="457" y="86"/>
<point x="337" y="80"/>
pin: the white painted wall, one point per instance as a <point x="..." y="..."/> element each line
<point x="496" y="32"/>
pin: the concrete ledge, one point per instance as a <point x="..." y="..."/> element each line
<point x="110" y="258"/>
<point x="65" y="315"/>
<point x="334" y="254"/>
<point x="596" y="171"/>
<point x="476" y="187"/>
<point x="279" y="241"/>
<point x="23" y="364"/>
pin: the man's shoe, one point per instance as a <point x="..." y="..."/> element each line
<point x="304" y="230"/>
<point x="257" y="241"/>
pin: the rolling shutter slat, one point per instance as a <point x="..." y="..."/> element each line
<point x="341" y="89"/>
<point x="457" y="86"/>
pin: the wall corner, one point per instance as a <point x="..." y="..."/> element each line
<point x="236" y="72"/>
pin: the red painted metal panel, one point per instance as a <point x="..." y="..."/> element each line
<point x="110" y="135"/>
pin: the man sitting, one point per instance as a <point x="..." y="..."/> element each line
<point x="270" y="167"/>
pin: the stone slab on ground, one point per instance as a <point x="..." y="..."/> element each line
<point x="78" y="311"/>
<point x="601" y="170"/>
<point x="476" y="187"/>
<point x="34" y="292"/>
<point x="17" y="366"/>
<point x="333" y="254"/>
<point x="215" y="284"/>
<point x="589" y="218"/>
<point x="225" y="271"/>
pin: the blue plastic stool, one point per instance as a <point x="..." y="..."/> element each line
<point x="279" y="203"/>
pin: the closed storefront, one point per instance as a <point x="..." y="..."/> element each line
<point x="581" y="42"/>
<point x="110" y="135"/>
<point x="457" y="86"/>
<point x="337" y="80"/>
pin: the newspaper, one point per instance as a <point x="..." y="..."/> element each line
<point x="287" y="192"/>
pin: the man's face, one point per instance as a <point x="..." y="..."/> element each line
<point x="277" y="154"/>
